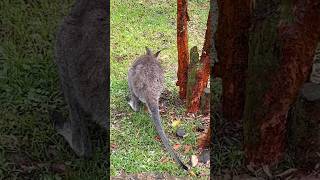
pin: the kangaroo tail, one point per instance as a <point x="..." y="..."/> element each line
<point x="154" y="111"/>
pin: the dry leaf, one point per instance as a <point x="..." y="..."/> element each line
<point x="194" y="160"/>
<point x="204" y="140"/>
<point x="164" y="159"/>
<point x="191" y="173"/>
<point x="176" y="123"/>
<point x="187" y="148"/>
<point x="176" y="146"/>
<point x="114" y="146"/>
<point x="157" y="138"/>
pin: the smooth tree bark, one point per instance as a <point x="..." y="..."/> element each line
<point x="182" y="44"/>
<point x="232" y="52"/>
<point x="203" y="71"/>
<point x="282" y="45"/>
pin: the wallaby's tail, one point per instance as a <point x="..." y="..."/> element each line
<point x="154" y="110"/>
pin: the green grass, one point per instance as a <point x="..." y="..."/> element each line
<point x="29" y="88"/>
<point x="134" y="25"/>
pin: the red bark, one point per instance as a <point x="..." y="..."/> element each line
<point x="182" y="44"/>
<point x="202" y="75"/>
<point x="232" y="52"/>
<point x="298" y="40"/>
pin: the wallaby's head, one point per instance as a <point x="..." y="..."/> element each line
<point x="149" y="52"/>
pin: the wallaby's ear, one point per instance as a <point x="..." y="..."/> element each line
<point x="156" y="55"/>
<point x="148" y="51"/>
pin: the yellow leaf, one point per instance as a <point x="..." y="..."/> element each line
<point x="191" y="173"/>
<point x="176" y="123"/>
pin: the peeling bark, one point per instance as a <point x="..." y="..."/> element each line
<point x="192" y="74"/>
<point x="203" y="72"/>
<point x="182" y="44"/>
<point x="232" y="51"/>
<point x="282" y="45"/>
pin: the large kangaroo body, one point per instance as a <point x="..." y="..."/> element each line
<point x="145" y="79"/>
<point x="81" y="57"/>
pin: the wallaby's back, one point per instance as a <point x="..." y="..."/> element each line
<point x="147" y="78"/>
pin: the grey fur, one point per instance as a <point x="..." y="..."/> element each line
<point x="82" y="61"/>
<point x="146" y="83"/>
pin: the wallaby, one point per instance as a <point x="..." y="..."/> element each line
<point x="83" y="67"/>
<point x="146" y="83"/>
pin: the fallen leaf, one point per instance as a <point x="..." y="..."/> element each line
<point x="192" y="115"/>
<point x="176" y="146"/>
<point x="206" y="118"/>
<point x="187" y="148"/>
<point x="191" y="173"/>
<point x="157" y="138"/>
<point x="204" y="140"/>
<point x="114" y="146"/>
<point x="176" y="123"/>
<point x="194" y="160"/>
<point x="164" y="159"/>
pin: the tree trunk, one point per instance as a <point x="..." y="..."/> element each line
<point x="304" y="127"/>
<point x="282" y="45"/>
<point x="232" y="52"/>
<point x="182" y="44"/>
<point x="203" y="72"/>
<point x="192" y="74"/>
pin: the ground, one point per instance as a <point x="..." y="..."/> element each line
<point x="134" y="144"/>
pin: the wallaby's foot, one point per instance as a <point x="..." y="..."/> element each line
<point x="134" y="103"/>
<point x="133" y="106"/>
<point x="63" y="128"/>
<point x="79" y="146"/>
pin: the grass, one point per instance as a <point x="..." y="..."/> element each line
<point x="134" y="25"/>
<point x="29" y="147"/>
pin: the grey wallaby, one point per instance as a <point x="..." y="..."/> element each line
<point x="83" y="67"/>
<point x="146" y="83"/>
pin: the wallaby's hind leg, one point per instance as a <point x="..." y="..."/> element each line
<point x="81" y="142"/>
<point x="134" y="101"/>
<point x="75" y="131"/>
